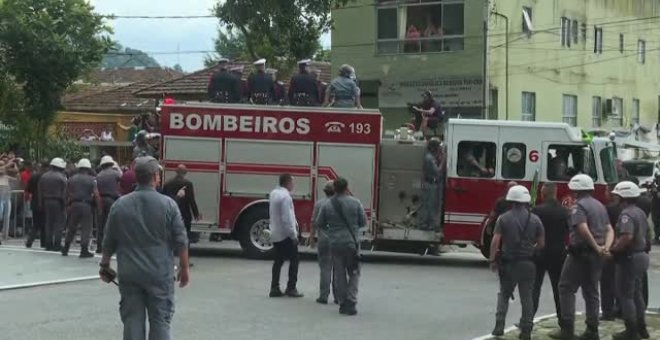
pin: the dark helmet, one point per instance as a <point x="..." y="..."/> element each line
<point x="433" y="145"/>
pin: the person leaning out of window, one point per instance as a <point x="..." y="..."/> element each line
<point x="343" y="90"/>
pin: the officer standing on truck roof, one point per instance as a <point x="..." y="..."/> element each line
<point x="52" y="195"/>
<point x="551" y="259"/>
<point x="280" y="90"/>
<point x="224" y="87"/>
<point x="590" y="239"/>
<point x="303" y="89"/>
<point x="145" y="229"/>
<point x="432" y="177"/>
<point x="81" y="192"/>
<point x="520" y="233"/>
<point x="107" y="182"/>
<point x="632" y="261"/>
<point x="261" y="88"/>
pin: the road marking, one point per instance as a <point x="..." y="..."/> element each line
<point x="513" y="328"/>
<point x="48" y="283"/>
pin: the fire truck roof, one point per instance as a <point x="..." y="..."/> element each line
<point x="573" y="132"/>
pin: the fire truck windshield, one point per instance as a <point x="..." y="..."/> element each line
<point x="607" y="158"/>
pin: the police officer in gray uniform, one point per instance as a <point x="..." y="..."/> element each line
<point x="324" y="256"/>
<point x="341" y="219"/>
<point x="81" y="192"/>
<point x="519" y="233"/>
<point x="144" y="229"/>
<point x="431" y="182"/>
<point x="107" y="182"/>
<point x="52" y="191"/>
<point x="631" y="261"/>
<point x="590" y="238"/>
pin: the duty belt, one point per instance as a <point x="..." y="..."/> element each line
<point x="302" y="99"/>
<point x="222" y="97"/>
<point x="260" y="98"/>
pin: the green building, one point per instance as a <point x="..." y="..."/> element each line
<point x="591" y="63"/>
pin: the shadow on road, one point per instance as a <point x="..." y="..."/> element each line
<point x="451" y="259"/>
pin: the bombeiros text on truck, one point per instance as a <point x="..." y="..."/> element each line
<point x="235" y="153"/>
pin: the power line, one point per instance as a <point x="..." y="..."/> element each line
<point x="156" y="17"/>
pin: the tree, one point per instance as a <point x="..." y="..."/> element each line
<point x="280" y="31"/>
<point x="48" y="45"/>
<point x="178" y="68"/>
<point x="126" y="57"/>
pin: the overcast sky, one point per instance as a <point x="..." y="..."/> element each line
<point x="166" y="35"/>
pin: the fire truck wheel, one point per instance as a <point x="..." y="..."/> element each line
<point x="254" y="233"/>
<point x="485" y="245"/>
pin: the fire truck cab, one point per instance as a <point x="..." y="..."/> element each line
<point x="235" y="153"/>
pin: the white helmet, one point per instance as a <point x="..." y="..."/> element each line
<point x="115" y="165"/>
<point x="627" y="189"/>
<point x="84" y="164"/>
<point x="581" y="182"/>
<point x="58" y="163"/>
<point x="519" y="194"/>
<point x="107" y="160"/>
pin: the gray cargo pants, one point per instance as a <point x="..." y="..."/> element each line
<point x="139" y="300"/>
<point x="628" y="282"/>
<point x="583" y="272"/>
<point x="431" y="205"/>
<point x="103" y="217"/>
<point x="520" y="273"/>
<point x="80" y="215"/>
<point x="325" y="264"/>
<point x="346" y="282"/>
<point x="55" y="221"/>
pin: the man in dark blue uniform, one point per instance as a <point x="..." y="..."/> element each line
<point x="261" y="88"/>
<point x="224" y="87"/>
<point x="303" y="89"/>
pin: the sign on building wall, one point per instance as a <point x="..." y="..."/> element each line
<point x="450" y="92"/>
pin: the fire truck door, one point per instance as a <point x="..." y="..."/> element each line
<point x="202" y="157"/>
<point x="471" y="182"/>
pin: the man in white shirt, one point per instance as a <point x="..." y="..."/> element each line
<point x="284" y="235"/>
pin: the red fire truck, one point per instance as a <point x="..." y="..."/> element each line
<point x="235" y="154"/>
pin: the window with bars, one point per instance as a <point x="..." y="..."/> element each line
<point x="565" y="38"/>
<point x="596" y="111"/>
<point x="575" y="29"/>
<point x="529" y="106"/>
<point x="621" y="43"/>
<point x="616" y="117"/>
<point x="570" y="110"/>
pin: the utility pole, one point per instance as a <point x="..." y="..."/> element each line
<point x="486" y="82"/>
<point x="506" y="63"/>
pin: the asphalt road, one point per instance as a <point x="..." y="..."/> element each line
<point x="401" y="297"/>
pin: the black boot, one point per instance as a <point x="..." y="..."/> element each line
<point x="630" y="333"/>
<point x="85" y="253"/>
<point x="525" y="336"/>
<point x="348" y="308"/>
<point x="642" y="331"/>
<point x="293" y="292"/>
<point x="28" y="243"/>
<point x="591" y="333"/>
<point x="65" y="250"/>
<point x="499" y="328"/>
<point x="275" y="292"/>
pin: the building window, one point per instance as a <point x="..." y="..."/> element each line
<point x="565" y="32"/>
<point x="476" y="159"/>
<point x="570" y="110"/>
<point x="574" y="32"/>
<point x="641" y="51"/>
<point x="635" y="112"/>
<point x="616" y="116"/>
<point x="527" y="20"/>
<point x="596" y="111"/>
<point x="598" y="40"/>
<point x="513" y="160"/>
<point x="420" y="26"/>
<point x="583" y="28"/>
<point x="529" y="106"/>
<point x="621" y="43"/>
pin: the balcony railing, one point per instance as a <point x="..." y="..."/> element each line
<point x="448" y="43"/>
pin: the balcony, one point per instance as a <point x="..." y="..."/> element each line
<point x="449" y="43"/>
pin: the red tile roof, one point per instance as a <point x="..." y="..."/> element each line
<point x="195" y="84"/>
<point x="124" y="76"/>
<point x="110" y="100"/>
